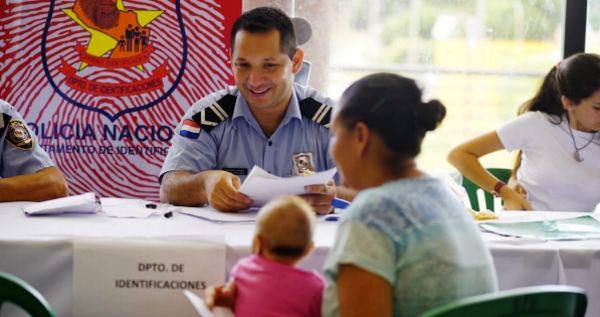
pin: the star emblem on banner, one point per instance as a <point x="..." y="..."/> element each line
<point x="110" y="26"/>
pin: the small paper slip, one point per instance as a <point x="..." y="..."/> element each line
<point x="203" y="311"/>
<point x="261" y="186"/>
<point x="80" y="204"/>
<point x="128" y="208"/>
<point x="210" y="214"/>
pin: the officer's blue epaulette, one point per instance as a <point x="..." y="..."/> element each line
<point x="210" y="117"/>
<point x="4" y="120"/>
<point x="316" y="111"/>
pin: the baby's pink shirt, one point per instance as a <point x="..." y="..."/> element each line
<point x="267" y="288"/>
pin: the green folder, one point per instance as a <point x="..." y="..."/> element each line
<point x="580" y="228"/>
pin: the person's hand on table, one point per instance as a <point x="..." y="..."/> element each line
<point x="513" y="200"/>
<point x="320" y="197"/>
<point x="222" y="192"/>
<point x="223" y="295"/>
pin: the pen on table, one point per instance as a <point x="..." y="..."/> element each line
<point x="169" y="214"/>
<point x="332" y="218"/>
<point x="340" y="203"/>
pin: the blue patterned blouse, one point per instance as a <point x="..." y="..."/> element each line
<point x="418" y="236"/>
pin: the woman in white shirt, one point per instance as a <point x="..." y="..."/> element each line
<point x="558" y="168"/>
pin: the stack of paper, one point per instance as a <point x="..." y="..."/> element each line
<point x="81" y="204"/>
<point x="580" y="228"/>
<point x="261" y="186"/>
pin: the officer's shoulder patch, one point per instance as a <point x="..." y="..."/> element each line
<point x="210" y="117"/>
<point x="18" y="135"/>
<point x="316" y="111"/>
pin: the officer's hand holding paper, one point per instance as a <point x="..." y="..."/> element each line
<point x="261" y="186"/>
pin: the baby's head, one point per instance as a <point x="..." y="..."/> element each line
<point x="284" y="230"/>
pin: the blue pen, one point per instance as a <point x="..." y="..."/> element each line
<point x="340" y="203"/>
<point x="332" y="218"/>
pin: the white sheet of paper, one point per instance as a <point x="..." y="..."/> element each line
<point x="129" y="208"/>
<point x="261" y="186"/>
<point x="203" y="311"/>
<point x="110" y="201"/>
<point x="84" y="203"/>
<point x="210" y="214"/>
<point x="128" y="211"/>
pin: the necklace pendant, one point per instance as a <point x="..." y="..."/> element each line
<point x="577" y="157"/>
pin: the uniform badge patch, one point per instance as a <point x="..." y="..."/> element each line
<point x="18" y="135"/>
<point x="302" y="163"/>
<point x="190" y="129"/>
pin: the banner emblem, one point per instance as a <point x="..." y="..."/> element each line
<point x="115" y="62"/>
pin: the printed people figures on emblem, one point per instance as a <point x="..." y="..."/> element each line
<point x="121" y="44"/>
<point x="144" y="40"/>
<point x="137" y="33"/>
<point x="129" y="37"/>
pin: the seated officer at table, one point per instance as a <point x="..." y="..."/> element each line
<point x="266" y="120"/>
<point x="26" y="171"/>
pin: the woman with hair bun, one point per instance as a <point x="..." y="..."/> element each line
<point x="558" y="168"/>
<point x="406" y="244"/>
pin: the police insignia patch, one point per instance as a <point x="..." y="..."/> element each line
<point x="302" y="163"/>
<point x="18" y="135"/>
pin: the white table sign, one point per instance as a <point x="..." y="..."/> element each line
<point x="139" y="277"/>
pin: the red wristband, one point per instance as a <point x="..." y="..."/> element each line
<point x="496" y="191"/>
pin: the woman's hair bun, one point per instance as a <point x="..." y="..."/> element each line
<point x="430" y="114"/>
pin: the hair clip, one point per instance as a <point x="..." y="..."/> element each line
<point x="378" y="104"/>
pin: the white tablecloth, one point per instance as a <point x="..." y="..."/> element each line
<point x="40" y="250"/>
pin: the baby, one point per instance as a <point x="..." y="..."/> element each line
<point x="267" y="282"/>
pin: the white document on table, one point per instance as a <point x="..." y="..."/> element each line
<point x="210" y="214"/>
<point x="80" y="204"/>
<point x="203" y="310"/>
<point x="261" y="186"/>
<point x="130" y="208"/>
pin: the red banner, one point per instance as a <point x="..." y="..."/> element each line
<point x="103" y="89"/>
<point x="140" y="59"/>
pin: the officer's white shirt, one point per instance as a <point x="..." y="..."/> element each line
<point x="553" y="179"/>
<point x="18" y="155"/>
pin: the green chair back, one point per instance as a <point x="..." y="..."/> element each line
<point x="18" y="292"/>
<point x="536" y="301"/>
<point x="502" y="174"/>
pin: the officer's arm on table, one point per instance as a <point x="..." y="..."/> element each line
<point x="183" y="189"/>
<point x="189" y="189"/>
<point x="45" y="184"/>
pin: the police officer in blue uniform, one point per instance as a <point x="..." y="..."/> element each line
<point x="26" y="171"/>
<point x="266" y="120"/>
